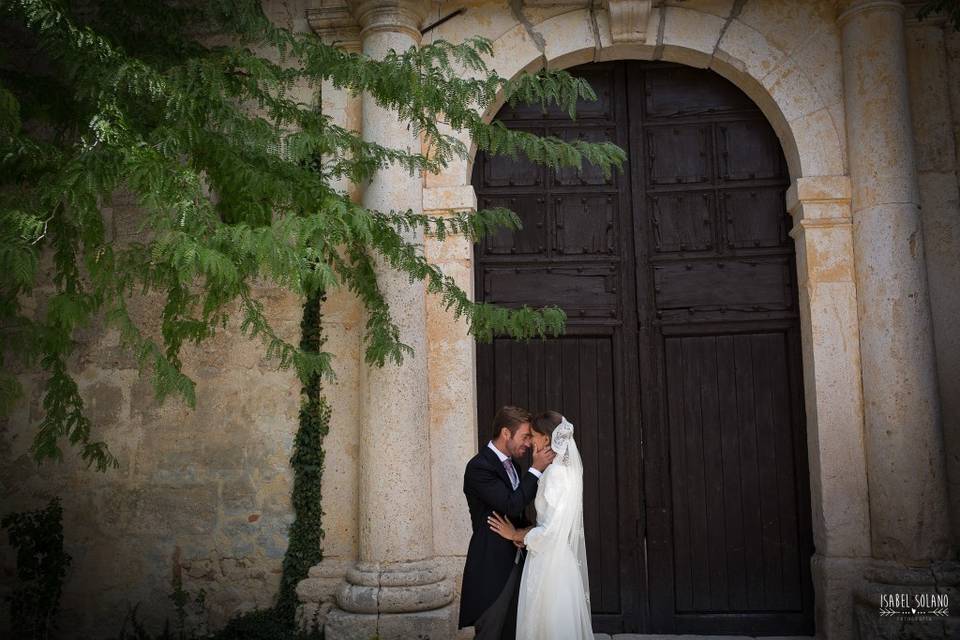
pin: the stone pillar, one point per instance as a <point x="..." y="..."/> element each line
<point x="397" y="589"/>
<point x="910" y="533"/>
<point x="903" y="429"/>
<point x="937" y="169"/>
<point x="820" y="208"/>
<point x="453" y="402"/>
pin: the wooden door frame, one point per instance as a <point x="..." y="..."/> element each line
<point x="643" y="448"/>
<point x="818" y="200"/>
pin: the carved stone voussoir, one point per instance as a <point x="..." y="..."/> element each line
<point x="629" y="20"/>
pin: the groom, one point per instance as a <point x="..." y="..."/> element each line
<point x="493" y="483"/>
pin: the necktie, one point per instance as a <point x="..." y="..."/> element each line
<point x="511" y="472"/>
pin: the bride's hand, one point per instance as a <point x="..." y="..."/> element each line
<point x="502" y="526"/>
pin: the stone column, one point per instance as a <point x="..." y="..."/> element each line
<point x="910" y="533"/>
<point x="937" y="170"/>
<point x="397" y="589"/>
<point x="820" y="208"/>
<point x="453" y="402"/>
<point x="903" y="428"/>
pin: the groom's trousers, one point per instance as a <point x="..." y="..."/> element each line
<point x="499" y="621"/>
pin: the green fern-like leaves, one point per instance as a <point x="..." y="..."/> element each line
<point x="191" y="111"/>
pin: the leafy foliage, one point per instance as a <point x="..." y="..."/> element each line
<point x="181" y="599"/>
<point x="305" y="546"/>
<point x="193" y="110"/>
<point x="42" y="566"/>
<point x="950" y="8"/>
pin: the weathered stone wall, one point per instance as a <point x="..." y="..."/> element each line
<point x="934" y="57"/>
<point x="205" y="492"/>
<point x="202" y="492"/>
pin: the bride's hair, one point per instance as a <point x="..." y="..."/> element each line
<point x="546" y="422"/>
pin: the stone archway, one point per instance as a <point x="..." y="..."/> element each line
<point x="811" y="134"/>
<point x="819" y="71"/>
<point x="680" y="364"/>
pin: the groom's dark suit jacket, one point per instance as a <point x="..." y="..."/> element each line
<point x="490" y="557"/>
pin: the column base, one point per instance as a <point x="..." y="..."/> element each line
<point x="893" y="619"/>
<point x="835" y="580"/>
<point x="396" y="600"/>
<point x="437" y="624"/>
<point x="395" y="587"/>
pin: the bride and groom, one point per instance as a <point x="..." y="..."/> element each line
<point x="525" y="576"/>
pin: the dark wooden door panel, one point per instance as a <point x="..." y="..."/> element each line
<point x="681" y="221"/>
<point x="531" y="238"/>
<point x="673" y="91"/>
<point x="678" y="154"/>
<point x="741" y="284"/>
<point x="733" y="474"/>
<point x="585" y="224"/>
<point x="748" y="151"/>
<point x="574" y="375"/>
<point x="681" y="366"/>
<point x="747" y="219"/>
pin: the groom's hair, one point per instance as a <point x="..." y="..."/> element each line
<point x="511" y="418"/>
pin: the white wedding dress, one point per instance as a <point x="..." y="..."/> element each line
<point x="554" y="601"/>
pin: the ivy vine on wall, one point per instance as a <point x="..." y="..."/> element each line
<point x="305" y="549"/>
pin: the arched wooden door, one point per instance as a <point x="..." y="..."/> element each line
<point x="681" y="364"/>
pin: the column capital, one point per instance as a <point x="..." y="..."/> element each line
<point x="335" y="24"/>
<point x="818" y="189"/>
<point x="935" y="20"/>
<point x="390" y="15"/>
<point x="846" y="9"/>
<point x="819" y="201"/>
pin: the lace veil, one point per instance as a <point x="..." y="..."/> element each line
<point x="568" y="457"/>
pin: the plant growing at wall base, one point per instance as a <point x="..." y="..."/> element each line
<point x="190" y="108"/>
<point x="305" y="542"/>
<point x="305" y="546"/>
<point x="42" y="566"/>
<point x="181" y="599"/>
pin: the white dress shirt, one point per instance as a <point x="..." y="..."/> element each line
<point x="503" y="457"/>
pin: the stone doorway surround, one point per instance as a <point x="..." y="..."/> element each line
<point x="830" y="77"/>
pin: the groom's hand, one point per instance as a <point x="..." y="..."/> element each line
<point x="542" y="458"/>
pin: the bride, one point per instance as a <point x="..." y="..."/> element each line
<point x="554" y="601"/>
